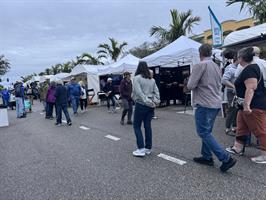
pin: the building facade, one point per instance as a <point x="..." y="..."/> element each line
<point x="228" y="27"/>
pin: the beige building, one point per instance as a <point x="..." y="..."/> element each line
<point x="228" y="27"/>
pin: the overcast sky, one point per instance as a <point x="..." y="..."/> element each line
<point x="36" y="34"/>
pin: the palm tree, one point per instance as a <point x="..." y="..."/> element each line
<point x="256" y="7"/>
<point x="4" y="65"/>
<point x="56" y="69"/>
<point x="47" y="71"/>
<point x="88" y="59"/>
<point x="114" y="51"/>
<point x="41" y="73"/>
<point x="67" y="67"/>
<point x="181" y="24"/>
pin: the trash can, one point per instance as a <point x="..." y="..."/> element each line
<point x="3" y="117"/>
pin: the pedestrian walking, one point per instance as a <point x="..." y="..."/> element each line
<point x="126" y="93"/>
<point x="5" y="97"/>
<point x="84" y="97"/>
<point x="110" y="94"/>
<point x="250" y="100"/>
<point x="228" y="80"/>
<point x="50" y="100"/>
<point x="43" y="92"/>
<point x="205" y="82"/>
<point x="74" y="92"/>
<point x="61" y="104"/>
<point x="146" y="96"/>
<point x="20" y="94"/>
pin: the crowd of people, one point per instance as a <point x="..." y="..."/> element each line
<point x="245" y="88"/>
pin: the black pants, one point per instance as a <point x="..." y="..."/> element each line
<point x="83" y="103"/>
<point x="110" y="98"/>
<point x="50" y="109"/>
<point x="232" y="111"/>
<point x="128" y="107"/>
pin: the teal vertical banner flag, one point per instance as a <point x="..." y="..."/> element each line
<point x="217" y="32"/>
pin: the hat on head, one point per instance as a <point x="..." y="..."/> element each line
<point x="126" y="73"/>
<point x="109" y="79"/>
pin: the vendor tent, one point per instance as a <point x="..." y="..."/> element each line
<point x="182" y="51"/>
<point x="61" y="76"/>
<point x="246" y="36"/>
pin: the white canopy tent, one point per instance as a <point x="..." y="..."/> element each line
<point x="182" y="51"/>
<point x="245" y="35"/>
<point x="61" y="76"/>
<point x="93" y="72"/>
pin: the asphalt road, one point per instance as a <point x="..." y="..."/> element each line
<point x="39" y="161"/>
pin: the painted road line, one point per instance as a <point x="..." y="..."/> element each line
<point x="172" y="159"/>
<point x="112" y="137"/>
<point x="84" y="128"/>
<point x="64" y="121"/>
<point x="41" y="113"/>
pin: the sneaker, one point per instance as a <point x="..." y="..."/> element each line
<point x="227" y="165"/>
<point x="233" y="151"/>
<point x="259" y="159"/>
<point x="69" y="123"/>
<point x="203" y="161"/>
<point x="122" y="122"/>
<point x="139" y="153"/>
<point x="147" y="151"/>
<point x="154" y="117"/>
<point x="129" y="122"/>
<point x="58" y="124"/>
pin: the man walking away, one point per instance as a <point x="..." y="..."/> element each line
<point x="109" y="92"/>
<point x="126" y="92"/>
<point x="19" y="94"/>
<point x="74" y="92"/>
<point x="61" y="104"/>
<point x="205" y="82"/>
<point x="5" y="96"/>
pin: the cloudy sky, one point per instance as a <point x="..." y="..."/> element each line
<point x="36" y="34"/>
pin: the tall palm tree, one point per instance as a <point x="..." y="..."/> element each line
<point x="47" y="71"/>
<point x="88" y="59"/>
<point x="56" y="69"/>
<point x="4" y="65"/>
<point x="256" y="7"/>
<point x="67" y="67"/>
<point x="181" y="24"/>
<point x="114" y="51"/>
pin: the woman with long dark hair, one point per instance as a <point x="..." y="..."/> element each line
<point x="146" y="96"/>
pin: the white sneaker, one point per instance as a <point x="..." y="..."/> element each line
<point x="259" y="159"/>
<point x="139" y="153"/>
<point x="147" y="151"/>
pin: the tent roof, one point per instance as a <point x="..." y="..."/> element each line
<point x="79" y="69"/>
<point x="179" y="50"/>
<point x="245" y="35"/>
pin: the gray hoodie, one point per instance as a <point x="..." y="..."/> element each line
<point x="145" y="91"/>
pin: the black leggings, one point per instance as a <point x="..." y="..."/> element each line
<point x="83" y="102"/>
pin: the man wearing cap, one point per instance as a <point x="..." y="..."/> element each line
<point x="125" y="93"/>
<point x="109" y="92"/>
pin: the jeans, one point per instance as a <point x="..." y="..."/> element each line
<point x="74" y="103"/>
<point x="50" y="109"/>
<point x="205" y="118"/>
<point x="128" y="108"/>
<point x="110" y="98"/>
<point x="19" y="106"/>
<point x="5" y="102"/>
<point x="143" y="114"/>
<point x="59" y="109"/>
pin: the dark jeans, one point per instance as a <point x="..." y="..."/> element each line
<point x="110" y="98"/>
<point x="232" y="111"/>
<point x="59" y="109"/>
<point x="205" y="118"/>
<point x="83" y="103"/>
<point x="50" y="109"/>
<point x="143" y="114"/>
<point x="128" y="108"/>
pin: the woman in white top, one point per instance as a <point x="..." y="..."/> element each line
<point x="146" y="96"/>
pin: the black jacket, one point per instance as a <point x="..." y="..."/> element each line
<point x="61" y="95"/>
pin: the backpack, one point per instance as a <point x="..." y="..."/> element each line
<point x="18" y="92"/>
<point x="262" y="65"/>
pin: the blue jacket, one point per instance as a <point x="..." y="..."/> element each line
<point x="61" y="95"/>
<point x="74" y="89"/>
<point x="5" y="94"/>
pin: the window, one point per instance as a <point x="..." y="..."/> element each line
<point x="242" y="27"/>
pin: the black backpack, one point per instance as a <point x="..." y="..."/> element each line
<point x="18" y="92"/>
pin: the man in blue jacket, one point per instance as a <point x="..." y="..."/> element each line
<point x="5" y="96"/>
<point x="74" y="93"/>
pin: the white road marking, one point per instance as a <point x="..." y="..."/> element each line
<point x="41" y="113"/>
<point x="112" y="137"/>
<point x="172" y="159"/>
<point x="64" y="121"/>
<point x="84" y="128"/>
